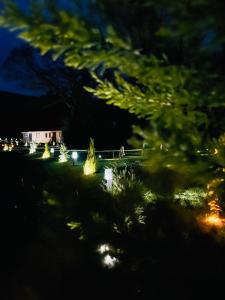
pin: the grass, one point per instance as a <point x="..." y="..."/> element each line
<point x="168" y="256"/>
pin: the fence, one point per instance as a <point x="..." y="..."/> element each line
<point x="82" y="153"/>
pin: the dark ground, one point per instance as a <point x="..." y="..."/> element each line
<point x="167" y="258"/>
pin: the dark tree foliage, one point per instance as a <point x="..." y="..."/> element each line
<point x="41" y="74"/>
<point x="188" y="32"/>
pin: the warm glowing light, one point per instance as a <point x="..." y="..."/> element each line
<point x="210" y="193"/>
<point x="214" y="183"/>
<point x="213" y="218"/>
<point x="46" y="153"/>
<point x="216" y="151"/>
<point x="10" y="147"/>
<point x="214" y="206"/>
<point x="89" y="168"/>
<point x="5" y="148"/>
<point x="214" y="221"/>
<point x="90" y="163"/>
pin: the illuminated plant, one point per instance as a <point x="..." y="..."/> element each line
<point x="5" y="148"/>
<point x="150" y="197"/>
<point x="213" y="218"/>
<point x="10" y="147"/>
<point x="123" y="180"/>
<point x="63" y="156"/>
<point x="193" y="197"/>
<point x="46" y="153"/>
<point x="91" y="162"/>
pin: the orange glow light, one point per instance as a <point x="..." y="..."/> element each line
<point x="213" y="220"/>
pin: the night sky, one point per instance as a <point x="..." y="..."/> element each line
<point x="9" y="41"/>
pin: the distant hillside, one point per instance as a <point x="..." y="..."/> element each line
<point x="108" y="125"/>
<point x="21" y="113"/>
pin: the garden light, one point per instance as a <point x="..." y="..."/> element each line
<point x="33" y="147"/>
<point x="74" y="155"/>
<point x="108" y="175"/>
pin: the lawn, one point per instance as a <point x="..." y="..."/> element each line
<point x="54" y="219"/>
